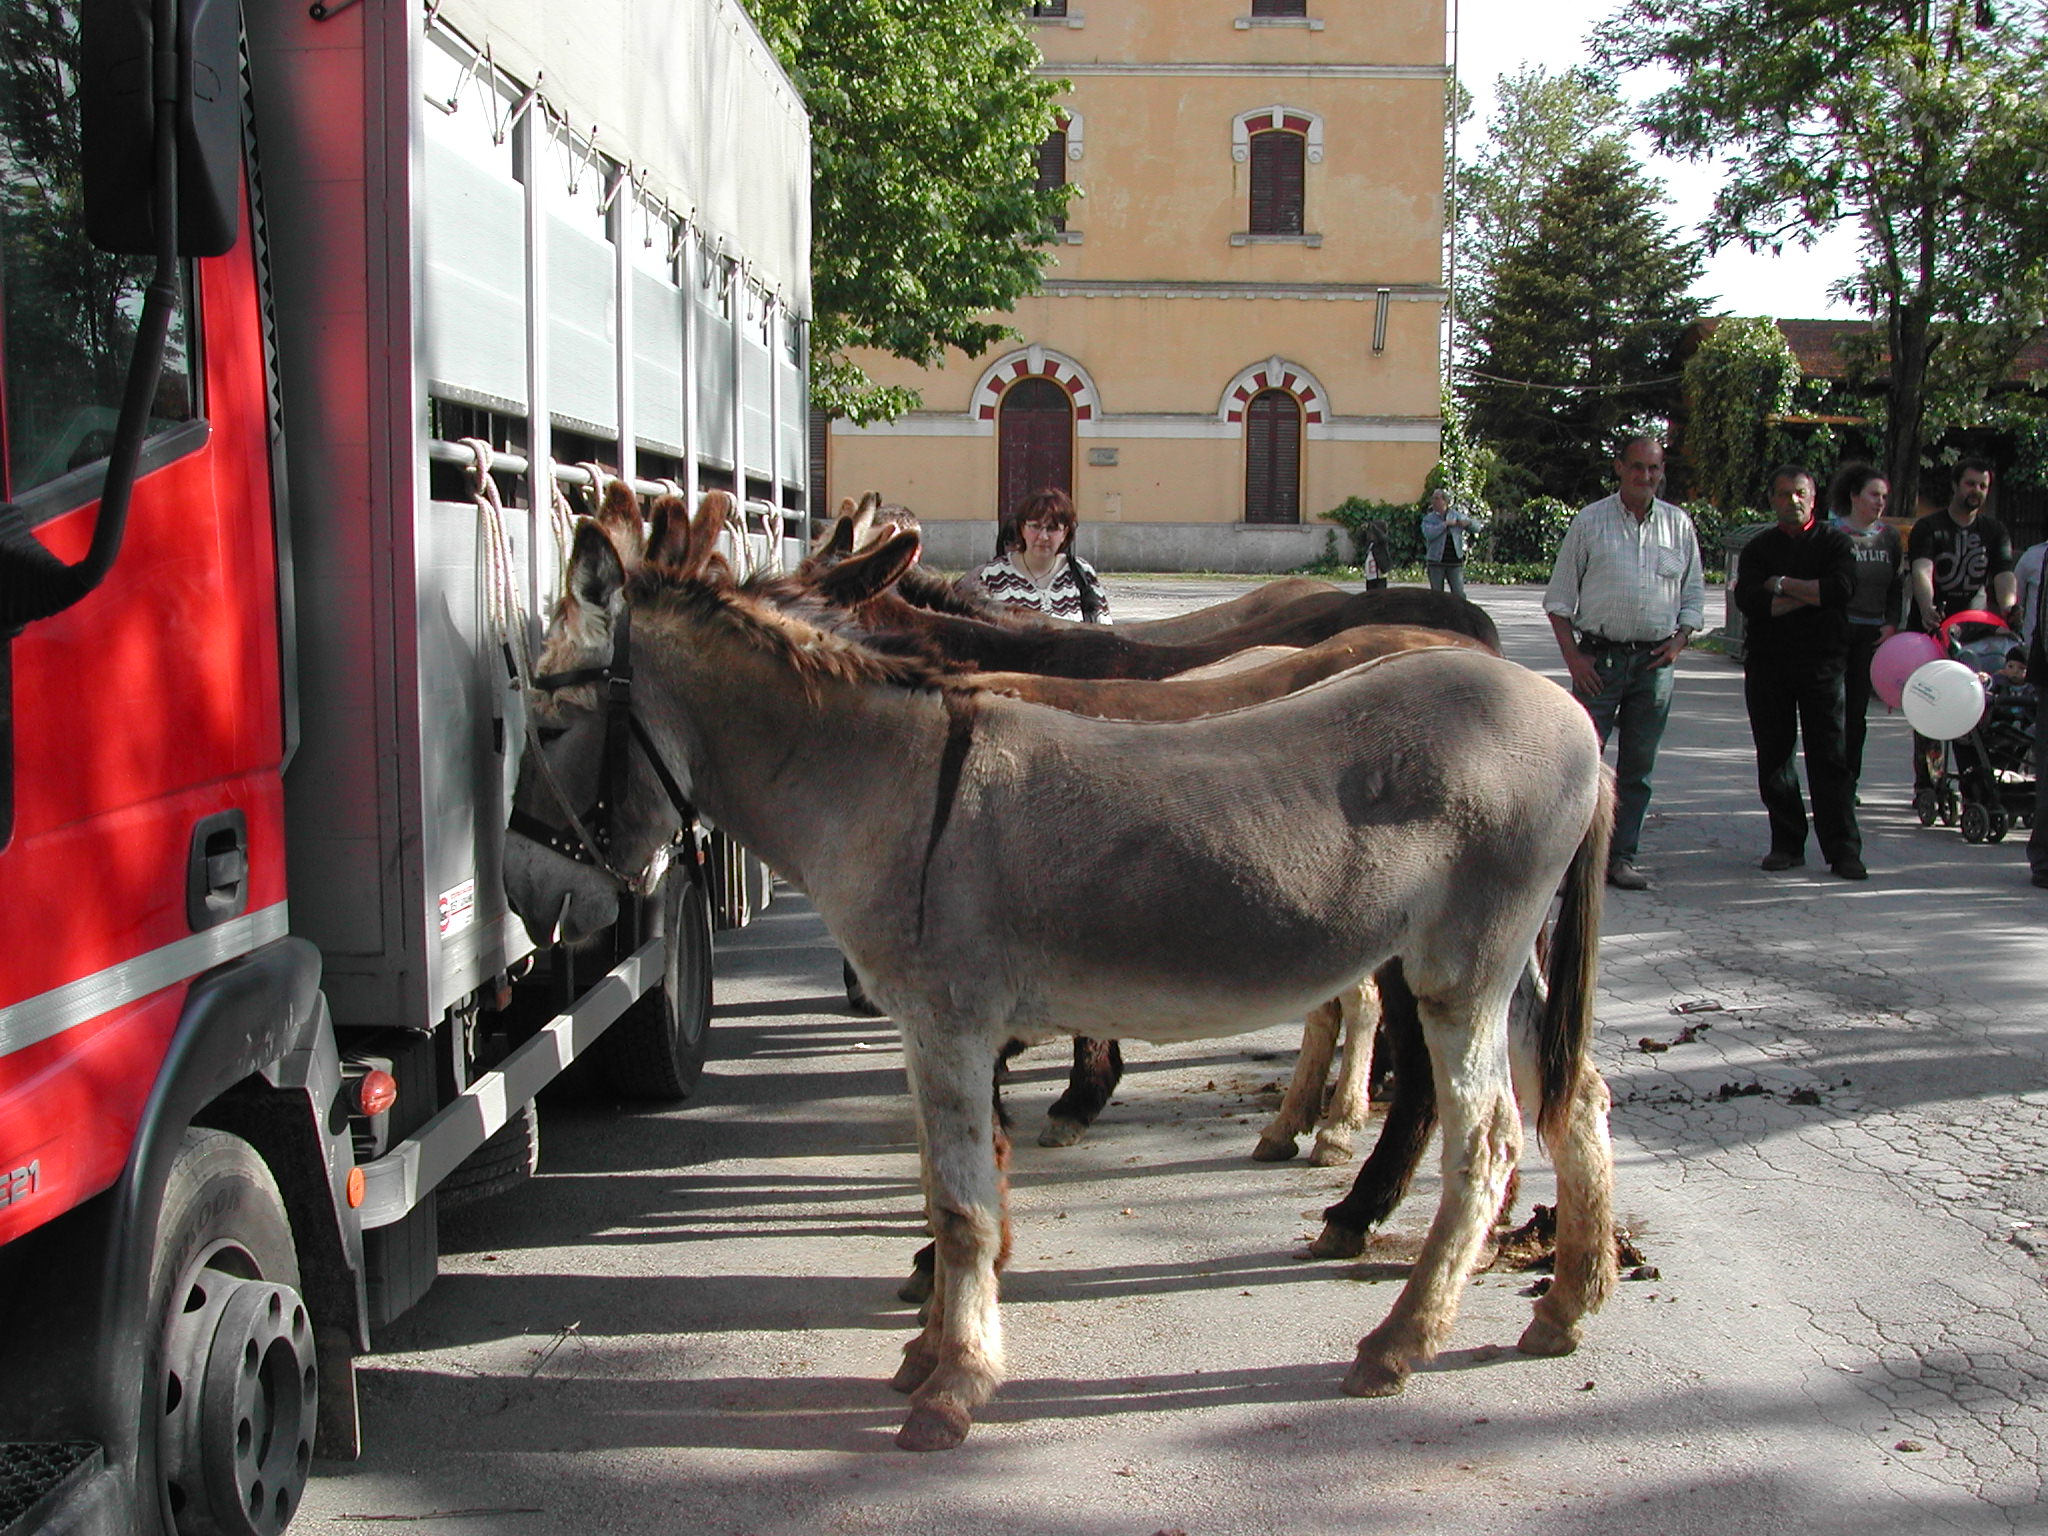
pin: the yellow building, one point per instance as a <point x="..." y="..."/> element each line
<point x="1241" y="327"/>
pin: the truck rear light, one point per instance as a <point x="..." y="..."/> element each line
<point x="357" y="1185"/>
<point x="376" y="1091"/>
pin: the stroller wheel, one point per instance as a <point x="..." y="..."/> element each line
<point x="1976" y="822"/>
<point x="1998" y="824"/>
<point x="1924" y="805"/>
<point x="1951" y="805"/>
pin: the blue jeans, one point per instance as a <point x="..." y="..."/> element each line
<point x="1635" y="696"/>
<point x="1440" y="574"/>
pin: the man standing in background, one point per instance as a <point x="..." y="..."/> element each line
<point x="1793" y="589"/>
<point x="1956" y="559"/>
<point x="1625" y="598"/>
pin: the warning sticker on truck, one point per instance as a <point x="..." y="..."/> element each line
<point x="458" y="908"/>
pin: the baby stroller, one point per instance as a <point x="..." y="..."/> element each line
<point x="1986" y="780"/>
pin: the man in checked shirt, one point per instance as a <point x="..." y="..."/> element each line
<point x="1625" y="598"/>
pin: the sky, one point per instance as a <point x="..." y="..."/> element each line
<point x="1497" y="36"/>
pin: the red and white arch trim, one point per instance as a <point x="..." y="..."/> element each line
<point x="1263" y="119"/>
<point x="1275" y="373"/>
<point x="1039" y="362"/>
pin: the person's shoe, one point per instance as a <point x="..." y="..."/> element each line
<point x="1778" y="859"/>
<point x="1851" y="869"/>
<point x="2041" y="878"/>
<point x="1623" y="875"/>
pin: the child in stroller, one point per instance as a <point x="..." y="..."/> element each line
<point x="1991" y="767"/>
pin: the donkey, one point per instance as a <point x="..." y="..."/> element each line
<point x="1208" y="877"/>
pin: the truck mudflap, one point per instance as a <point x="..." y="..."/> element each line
<point x="397" y="1181"/>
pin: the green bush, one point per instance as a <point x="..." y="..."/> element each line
<point x="1403" y="522"/>
<point x="1531" y="534"/>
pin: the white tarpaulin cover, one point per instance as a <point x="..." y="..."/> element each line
<point x="684" y="90"/>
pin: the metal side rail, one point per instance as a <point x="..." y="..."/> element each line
<point x="36" y="1476"/>
<point x="394" y="1183"/>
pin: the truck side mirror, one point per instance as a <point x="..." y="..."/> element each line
<point x="117" y="111"/>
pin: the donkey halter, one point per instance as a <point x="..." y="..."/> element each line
<point x="587" y="837"/>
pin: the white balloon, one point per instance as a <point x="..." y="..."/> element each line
<point x="1943" y="700"/>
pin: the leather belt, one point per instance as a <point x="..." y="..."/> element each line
<point x="1593" y="645"/>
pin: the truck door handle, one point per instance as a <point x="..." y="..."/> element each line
<point x="217" y="870"/>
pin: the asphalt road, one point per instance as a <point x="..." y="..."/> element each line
<point x="687" y="1322"/>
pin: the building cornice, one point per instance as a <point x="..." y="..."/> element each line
<point x="1268" y="71"/>
<point x="1115" y="288"/>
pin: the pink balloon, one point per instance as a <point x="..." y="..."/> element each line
<point x="1898" y="659"/>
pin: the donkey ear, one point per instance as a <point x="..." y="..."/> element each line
<point x="871" y="572"/>
<point x="836" y="541"/>
<point x="619" y="516"/>
<point x="864" y="517"/>
<point x="668" y="537"/>
<point x="714" y="512"/>
<point x="595" y="571"/>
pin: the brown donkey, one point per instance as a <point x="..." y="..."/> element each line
<point x="1209" y="876"/>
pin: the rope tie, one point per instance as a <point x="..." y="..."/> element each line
<point x="562" y="517"/>
<point x="503" y="609"/>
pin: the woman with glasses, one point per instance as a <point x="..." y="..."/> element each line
<point x="1036" y="567"/>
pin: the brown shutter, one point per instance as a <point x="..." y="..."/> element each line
<point x="1279" y="7"/>
<point x="1272" y="458"/>
<point x="821" y="431"/>
<point x="1052" y="167"/>
<point x="1277" y="182"/>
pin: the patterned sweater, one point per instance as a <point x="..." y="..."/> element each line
<point x="1005" y="581"/>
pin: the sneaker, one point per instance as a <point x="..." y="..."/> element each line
<point x="1778" y="859"/>
<point x="1623" y="875"/>
<point x="2041" y="878"/>
<point x="1851" y="869"/>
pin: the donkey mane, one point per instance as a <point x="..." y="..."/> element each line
<point x="814" y="654"/>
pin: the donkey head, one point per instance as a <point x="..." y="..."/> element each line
<point x="592" y="772"/>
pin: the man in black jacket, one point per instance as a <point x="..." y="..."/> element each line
<point x="1793" y="586"/>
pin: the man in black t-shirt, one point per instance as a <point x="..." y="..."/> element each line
<point x="1957" y="559"/>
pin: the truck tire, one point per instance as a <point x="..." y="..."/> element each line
<point x="236" y="1381"/>
<point x="656" y="1050"/>
<point x="507" y="1160"/>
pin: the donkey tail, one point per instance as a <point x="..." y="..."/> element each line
<point x="1566" y="1027"/>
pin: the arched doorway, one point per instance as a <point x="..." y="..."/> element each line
<point x="1272" y="458"/>
<point x="1035" y="442"/>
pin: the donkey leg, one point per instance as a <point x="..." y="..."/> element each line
<point x="1305" y="1089"/>
<point x="1098" y="1068"/>
<point x="1482" y="1142"/>
<point x="1344" y="1116"/>
<point x="917" y="1290"/>
<point x="1585" y="1270"/>
<point x="956" y="1362"/>
<point x="1404" y="1134"/>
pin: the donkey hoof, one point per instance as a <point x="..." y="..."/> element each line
<point x="1330" y="1153"/>
<point x="911" y="1374"/>
<point x="1274" y="1149"/>
<point x="1376" y="1376"/>
<point x="1337" y="1242"/>
<point x="917" y="1290"/>
<point x="1061" y="1133"/>
<point x="936" y="1426"/>
<point x="1543" y="1337"/>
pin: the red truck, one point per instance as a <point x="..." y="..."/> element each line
<point x="262" y="1003"/>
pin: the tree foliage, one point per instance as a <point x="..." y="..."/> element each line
<point x="1743" y="374"/>
<point x="926" y="119"/>
<point x="1577" y="344"/>
<point x="1922" y="121"/>
<point x="1540" y="121"/>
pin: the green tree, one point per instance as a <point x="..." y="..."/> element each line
<point x="1576" y="346"/>
<point x="926" y="120"/>
<point x="1742" y="375"/>
<point x="1921" y="121"/>
<point x="1540" y="121"/>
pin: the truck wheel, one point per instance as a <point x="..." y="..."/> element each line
<point x="508" y="1159"/>
<point x="237" y="1384"/>
<point x="656" y="1050"/>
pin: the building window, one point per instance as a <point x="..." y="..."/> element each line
<point x="1279" y="7"/>
<point x="1277" y="178"/>
<point x="1048" y="7"/>
<point x="1034" y="442"/>
<point x="1272" y="458"/>
<point x="1052" y="170"/>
